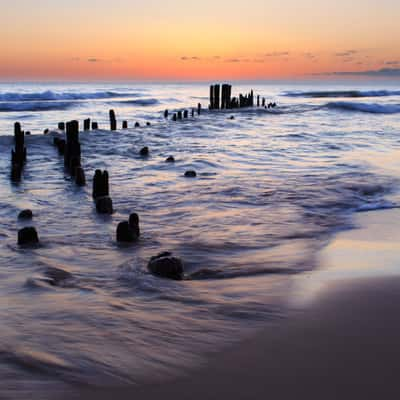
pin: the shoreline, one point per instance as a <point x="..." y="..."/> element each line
<point x="339" y="340"/>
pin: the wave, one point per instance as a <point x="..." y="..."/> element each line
<point x="344" y="93"/>
<point x="138" y="102"/>
<point x="36" y="106"/>
<point x="371" y="108"/>
<point x="54" y="96"/>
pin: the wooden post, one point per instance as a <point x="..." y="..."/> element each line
<point x="263" y="102"/>
<point x="179" y="115"/>
<point x="198" y="109"/>
<point x="216" y="97"/>
<point x="185" y="114"/>
<point x="61" y="126"/>
<point x="192" y="112"/>
<point x="72" y="146"/>
<point x="124" y="124"/>
<point x="86" y="124"/>
<point x="174" y="117"/>
<point x="113" y="121"/>
<point x="211" y="97"/>
<point x="258" y="100"/>
<point x="95" y="126"/>
<point x="166" y="114"/>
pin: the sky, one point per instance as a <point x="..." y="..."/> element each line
<point x="198" y="40"/>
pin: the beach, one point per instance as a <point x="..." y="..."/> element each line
<point x="262" y="225"/>
<point x="339" y="341"/>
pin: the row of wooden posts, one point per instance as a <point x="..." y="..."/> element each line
<point x="227" y="102"/>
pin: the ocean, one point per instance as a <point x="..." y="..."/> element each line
<point x="273" y="187"/>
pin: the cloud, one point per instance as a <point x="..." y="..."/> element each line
<point x="191" y="58"/>
<point x="233" y="60"/>
<point x="383" y="73"/>
<point x="277" y="54"/>
<point x="392" y="62"/>
<point x="346" y="53"/>
<point x="309" y="55"/>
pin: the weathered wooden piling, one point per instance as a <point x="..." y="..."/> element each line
<point x="124" y="124"/>
<point x="185" y="114"/>
<point x="95" y="126"/>
<point x="61" y="126"/>
<point x="174" y="117"/>
<point x="80" y="178"/>
<point x="258" y="100"/>
<point x="72" y="146"/>
<point x="263" y="102"/>
<point x="86" y="124"/>
<point x="166" y="114"/>
<point x="192" y="112"/>
<point x="211" y="106"/>
<point x="101" y="192"/>
<point x="113" y="121"/>
<point x="18" y="156"/>
<point x="199" y="109"/>
<point x="100" y="184"/>
<point x="137" y="125"/>
<point x="179" y="115"/>
<point x="216" y="97"/>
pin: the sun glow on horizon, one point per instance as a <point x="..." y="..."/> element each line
<point x="124" y="39"/>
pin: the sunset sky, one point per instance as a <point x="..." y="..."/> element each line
<point x="185" y="40"/>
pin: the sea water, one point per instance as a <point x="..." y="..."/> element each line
<point x="272" y="188"/>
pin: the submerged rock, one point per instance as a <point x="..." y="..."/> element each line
<point x="104" y="205"/>
<point x="170" y="159"/>
<point x="25" y="214"/>
<point x="28" y="236"/>
<point x="56" y="276"/>
<point x="190" y="174"/>
<point x="144" y="152"/>
<point x="166" y="265"/>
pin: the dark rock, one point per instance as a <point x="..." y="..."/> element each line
<point x="125" y="233"/>
<point x="166" y="266"/>
<point x="28" y="133"/>
<point x="137" y="125"/>
<point x="25" y="214"/>
<point x="190" y="174"/>
<point x="148" y="124"/>
<point x="46" y="131"/>
<point x="144" y="152"/>
<point x="104" y="205"/>
<point x="57" y="276"/>
<point x="232" y="117"/>
<point x="134" y="223"/>
<point x="27" y="236"/>
<point x="170" y="159"/>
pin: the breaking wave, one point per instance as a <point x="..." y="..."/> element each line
<point x="344" y="93"/>
<point x="53" y="95"/>
<point x="371" y="108"/>
<point x="36" y="106"/>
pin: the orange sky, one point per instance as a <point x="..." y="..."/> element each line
<point x="171" y="39"/>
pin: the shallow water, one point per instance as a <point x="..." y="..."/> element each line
<point x="272" y="189"/>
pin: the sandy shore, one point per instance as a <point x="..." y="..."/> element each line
<point x="341" y="340"/>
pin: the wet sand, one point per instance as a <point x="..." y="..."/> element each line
<point x="340" y="340"/>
